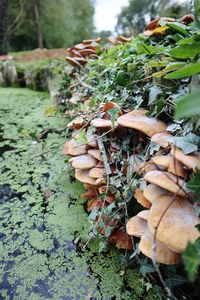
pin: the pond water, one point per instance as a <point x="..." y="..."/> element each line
<point x="43" y="223"/>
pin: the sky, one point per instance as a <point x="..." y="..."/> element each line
<point x="106" y="12"/>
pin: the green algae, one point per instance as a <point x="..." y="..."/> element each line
<point x="45" y="214"/>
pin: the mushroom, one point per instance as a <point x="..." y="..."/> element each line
<point x="83" y="176"/>
<point x="99" y="124"/>
<point x="162" y="254"/>
<point x="94" y="203"/>
<point x="87" y="52"/>
<point x="76" y="123"/>
<point x="144" y="214"/>
<point x="187" y="19"/>
<point x="89" y="194"/>
<point x="136" y="226"/>
<point x="97" y="172"/>
<point x="167" y="181"/>
<point x="88" y="42"/>
<point x="137" y="120"/>
<point x="139" y="196"/>
<point x="73" y="62"/>
<point x="152" y="192"/>
<point x="72" y="148"/>
<point x="82" y="162"/>
<point x="162" y="139"/>
<point x="191" y="161"/>
<point x="95" y="153"/>
<point x="123" y="39"/>
<point x="156" y="23"/>
<point x="175" y="220"/>
<point x="170" y="163"/>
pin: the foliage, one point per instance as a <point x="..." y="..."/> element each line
<point x="188" y="105"/>
<point x="63" y="23"/>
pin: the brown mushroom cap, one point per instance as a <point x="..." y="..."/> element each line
<point x="76" y="123"/>
<point x="162" y="139"/>
<point x="83" y="176"/>
<point x="139" y="196"/>
<point x="177" y="226"/>
<point x="136" y="226"/>
<point x="191" y="161"/>
<point x="83" y="162"/>
<point x="95" y="153"/>
<point x="170" y="163"/>
<point x="88" y="42"/>
<point x="123" y="39"/>
<point x="187" y="19"/>
<point x="97" y="172"/>
<point x="163" y="254"/>
<point x="152" y="192"/>
<point x="167" y="181"/>
<point x="149" y="126"/>
<point x="86" y="52"/>
<point x="73" y="62"/>
<point x="101" y="123"/>
<point x="72" y="148"/>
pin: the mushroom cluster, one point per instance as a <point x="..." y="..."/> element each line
<point x="90" y="162"/>
<point x="158" y="26"/>
<point x="120" y="39"/>
<point x="168" y="222"/>
<point x="78" y="54"/>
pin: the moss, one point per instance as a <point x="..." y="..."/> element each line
<point x="42" y="213"/>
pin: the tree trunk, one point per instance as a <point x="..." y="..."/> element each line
<point x="37" y="25"/>
<point x="3" y="26"/>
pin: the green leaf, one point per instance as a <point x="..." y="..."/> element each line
<point x="146" y="269"/>
<point x="180" y="28"/>
<point x="189" y="105"/>
<point x="188" y="143"/>
<point x="197" y="12"/>
<point x="186" y="51"/>
<point x="191" y="259"/>
<point x="184" y="72"/>
<point x="154" y="92"/>
<point x="194" y="185"/>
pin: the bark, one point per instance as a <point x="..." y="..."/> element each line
<point x="3" y="26"/>
<point x="37" y="25"/>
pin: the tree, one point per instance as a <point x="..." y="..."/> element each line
<point x="56" y="23"/>
<point x="37" y="24"/>
<point x="138" y="13"/>
<point x="3" y="26"/>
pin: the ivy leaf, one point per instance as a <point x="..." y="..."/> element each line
<point x="154" y="92"/>
<point x="114" y="114"/>
<point x="188" y="143"/>
<point x="188" y="105"/>
<point x="175" y="281"/>
<point x="191" y="259"/>
<point x="194" y="184"/>
<point x="184" y="72"/>
<point x="146" y="269"/>
<point x="185" y="51"/>
<point x="180" y="28"/>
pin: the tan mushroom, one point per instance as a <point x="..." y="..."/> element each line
<point x="87" y="52"/>
<point x="88" y="42"/>
<point x="191" y="161"/>
<point x="170" y="163"/>
<point x="73" y="62"/>
<point x="162" y="139"/>
<point x="167" y="181"/>
<point x="139" y="196"/>
<point x="136" y="226"/>
<point x="177" y="226"/>
<point x="95" y="153"/>
<point x="83" y="176"/>
<point x="83" y="162"/>
<point x="123" y="39"/>
<point x="72" y="148"/>
<point x="153" y="192"/>
<point x="161" y="253"/>
<point x="136" y="120"/>
<point x="97" y="172"/>
<point x="99" y="123"/>
<point x="144" y="214"/>
<point x="76" y="123"/>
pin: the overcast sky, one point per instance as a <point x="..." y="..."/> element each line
<point x="106" y="12"/>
